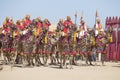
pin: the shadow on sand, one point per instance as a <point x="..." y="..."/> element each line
<point x="118" y="66"/>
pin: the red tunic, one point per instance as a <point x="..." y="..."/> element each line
<point x="6" y="29"/>
<point x="66" y="30"/>
<point x="19" y="27"/>
<point x="46" y="25"/>
<point x="24" y="24"/>
<point x="68" y="23"/>
<point x="28" y="22"/>
<point x="8" y="24"/>
<point x="39" y="24"/>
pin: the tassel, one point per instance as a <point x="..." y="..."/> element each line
<point x="35" y="31"/>
<point x="45" y="39"/>
<point x="111" y="39"/>
<point x="75" y="35"/>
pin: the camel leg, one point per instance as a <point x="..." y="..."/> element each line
<point x="71" y="61"/>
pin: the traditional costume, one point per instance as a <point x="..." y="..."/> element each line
<point x="60" y="25"/>
<point x="66" y="47"/>
<point x="39" y="22"/>
<point x="98" y="27"/>
<point x="46" y="24"/>
<point x="83" y="28"/>
<point x="26" y="45"/>
<point x="27" y="21"/>
<point x="4" y="45"/>
<point x="67" y="24"/>
<point x="18" y="25"/>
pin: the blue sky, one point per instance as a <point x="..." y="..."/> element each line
<point x="56" y="9"/>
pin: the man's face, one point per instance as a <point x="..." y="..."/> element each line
<point x="68" y="18"/>
<point x="7" y="20"/>
<point x="98" y="22"/>
<point x="27" y="18"/>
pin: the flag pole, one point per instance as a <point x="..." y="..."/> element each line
<point x="81" y="16"/>
<point x="96" y="15"/>
<point x="76" y="18"/>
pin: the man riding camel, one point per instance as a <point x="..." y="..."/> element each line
<point x="98" y="27"/>
<point x="46" y="24"/>
<point x="68" y="24"/>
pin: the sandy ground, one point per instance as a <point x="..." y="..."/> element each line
<point x="111" y="71"/>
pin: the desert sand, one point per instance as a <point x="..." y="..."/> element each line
<point x="111" y="71"/>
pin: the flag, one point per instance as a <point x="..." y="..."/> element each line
<point x="81" y="16"/>
<point x="96" y="14"/>
<point x="76" y="14"/>
<point x="75" y="17"/>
